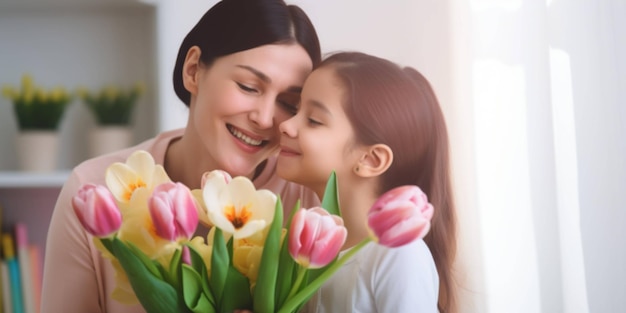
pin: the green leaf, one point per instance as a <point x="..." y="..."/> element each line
<point x="148" y="263"/>
<point x="195" y="299"/>
<point x="219" y="266"/>
<point x="237" y="289"/>
<point x="287" y="265"/>
<point x="107" y="243"/>
<point x="330" y="200"/>
<point x="265" y="288"/>
<point x="154" y="294"/>
<point x="295" y="209"/>
<point x="197" y="263"/>
<point x="173" y="276"/>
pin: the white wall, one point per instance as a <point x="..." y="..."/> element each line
<point x="400" y="30"/>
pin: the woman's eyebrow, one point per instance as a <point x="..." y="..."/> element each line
<point x="256" y="73"/>
<point x="266" y="79"/>
<point x="295" y="89"/>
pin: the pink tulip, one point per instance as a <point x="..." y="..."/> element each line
<point x="97" y="211"/>
<point x="215" y="174"/>
<point x="315" y="237"/>
<point x="400" y="216"/>
<point x="173" y="211"/>
<point x="186" y="255"/>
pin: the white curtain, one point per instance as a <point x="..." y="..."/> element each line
<point x="538" y="132"/>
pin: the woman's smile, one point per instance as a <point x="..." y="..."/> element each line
<point x="246" y="138"/>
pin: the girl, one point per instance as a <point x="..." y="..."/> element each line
<point x="378" y="126"/>
<point x="236" y="70"/>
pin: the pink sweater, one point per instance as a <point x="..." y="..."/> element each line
<point x="76" y="278"/>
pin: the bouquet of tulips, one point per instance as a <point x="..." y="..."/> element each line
<point x="244" y="263"/>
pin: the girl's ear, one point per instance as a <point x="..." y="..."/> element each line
<point x="375" y="161"/>
<point x="190" y="70"/>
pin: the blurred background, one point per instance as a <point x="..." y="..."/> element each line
<point x="532" y="91"/>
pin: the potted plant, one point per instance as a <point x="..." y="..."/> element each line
<point x="39" y="113"/>
<point x="112" y="107"/>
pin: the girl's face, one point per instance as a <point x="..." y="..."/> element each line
<point x="239" y="102"/>
<point x="319" y="138"/>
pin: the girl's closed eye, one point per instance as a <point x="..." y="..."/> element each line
<point x="314" y="122"/>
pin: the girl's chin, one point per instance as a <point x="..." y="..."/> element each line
<point x="285" y="173"/>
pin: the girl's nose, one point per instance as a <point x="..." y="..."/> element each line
<point x="288" y="127"/>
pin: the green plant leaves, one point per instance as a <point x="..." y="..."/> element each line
<point x="112" y="105"/>
<point x="330" y="201"/>
<point x="265" y="289"/>
<point x="155" y="295"/>
<point x="220" y="262"/>
<point x="287" y="266"/>
<point x="193" y="292"/>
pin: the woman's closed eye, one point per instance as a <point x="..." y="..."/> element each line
<point x="246" y="88"/>
<point x="314" y="122"/>
<point x="289" y="107"/>
<point x="289" y="102"/>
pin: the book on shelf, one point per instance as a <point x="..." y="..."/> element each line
<point x="5" y="297"/>
<point x="13" y="269"/>
<point x="26" y="275"/>
<point x="7" y="304"/>
<point x="20" y="272"/>
<point x="36" y="262"/>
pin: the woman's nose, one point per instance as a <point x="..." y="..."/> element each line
<point x="263" y="114"/>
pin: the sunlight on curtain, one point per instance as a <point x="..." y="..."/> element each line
<point x="510" y="255"/>
<point x="572" y="261"/>
<point x="546" y="79"/>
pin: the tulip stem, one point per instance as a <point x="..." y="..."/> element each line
<point x="301" y="273"/>
<point x="293" y="301"/>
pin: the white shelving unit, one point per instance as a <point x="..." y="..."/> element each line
<point x="72" y="43"/>
<point x="12" y="180"/>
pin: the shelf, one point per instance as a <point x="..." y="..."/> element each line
<point x="32" y="180"/>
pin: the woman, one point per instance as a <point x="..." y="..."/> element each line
<point x="238" y="70"/>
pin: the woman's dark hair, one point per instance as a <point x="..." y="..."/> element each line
<point x="397" y="107"/>
<point x="232" y="26"/>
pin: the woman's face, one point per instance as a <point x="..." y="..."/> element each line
<point x="319" y="138"/>
<point x="239" y="102"/>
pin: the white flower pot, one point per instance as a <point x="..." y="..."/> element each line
<point x="106" y="139"/>
<point x="37" y="150"/>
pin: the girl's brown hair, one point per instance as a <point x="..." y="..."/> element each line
<point x="397" y="107"/>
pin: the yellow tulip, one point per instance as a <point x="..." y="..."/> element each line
<point x="139" y="171"/>
<point x="235" y="206"/>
